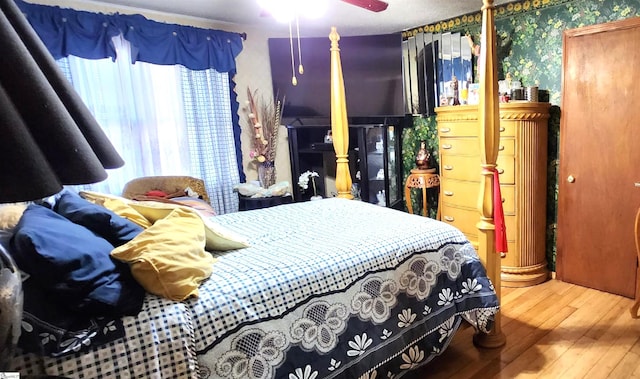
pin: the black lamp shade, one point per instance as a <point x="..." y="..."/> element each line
<point x="48" y="136"/>
<point x="25" y="173"/>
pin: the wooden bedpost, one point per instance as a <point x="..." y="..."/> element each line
<point x="489" y="117"/>
<point x="339" y="123"/>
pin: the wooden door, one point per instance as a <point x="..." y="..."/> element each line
<point x="599" y="157"/>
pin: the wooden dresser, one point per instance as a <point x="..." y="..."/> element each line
<point x="522" y="164"/>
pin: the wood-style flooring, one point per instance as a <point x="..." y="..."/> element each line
<point x="553" y="330"/>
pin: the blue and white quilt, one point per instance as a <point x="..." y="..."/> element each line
<point x="327" y="289"/>
<point x="337" y="289"/>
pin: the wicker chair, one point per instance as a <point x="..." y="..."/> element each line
<point x="636" y="305"/>
<point x="167" y="184"/>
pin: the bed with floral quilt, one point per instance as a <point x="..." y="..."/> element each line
<point x="325" y="289"/>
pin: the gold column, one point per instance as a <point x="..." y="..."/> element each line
<point x="489" y="117"/>
<point x="339" y="123"/>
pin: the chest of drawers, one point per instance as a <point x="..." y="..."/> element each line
<point x="522" y="165"/>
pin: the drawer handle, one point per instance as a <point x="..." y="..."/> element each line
<point x="448" y="193"/>
<point x="501" y="148"/>
<point x="503" y="199"/>
<point x="449" y="218"/>
<point x="447" y="167"/>
<point x="445" y="130"/>
<point x="500" y="171"/>
<point x="502" y="129"/>
<point x="447" y="147"/>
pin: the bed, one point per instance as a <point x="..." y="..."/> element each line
<point x="327" y="289"/>
<point x="309" y="294"/>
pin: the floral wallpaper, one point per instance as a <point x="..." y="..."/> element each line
<point x="530" y="32"/>
<point x="424" y="129"/>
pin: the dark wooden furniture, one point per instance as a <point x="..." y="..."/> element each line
<point x="247" y="203"/>
<point x="374" y="160"/>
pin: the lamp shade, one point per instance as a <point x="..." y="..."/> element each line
<point x="25" y="173"/>
<point x="49" y="137"/>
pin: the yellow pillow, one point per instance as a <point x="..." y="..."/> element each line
<point x="118" y="205"/>
<point x="155" y="210"/>
<point x="221" y="238"/>
<point x="217" y="236"/>
<point x="168" y="258"/>
<point x="99" y="197"/>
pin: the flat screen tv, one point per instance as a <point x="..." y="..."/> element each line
<point x="372" y="71"/>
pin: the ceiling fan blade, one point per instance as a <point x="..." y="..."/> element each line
<point x="372" y="5"/>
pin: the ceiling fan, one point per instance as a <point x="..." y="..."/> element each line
<point x="372" y="5"/>
<point x="286" y="9"/>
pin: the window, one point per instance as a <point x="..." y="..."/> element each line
<point x="163" y="120"/>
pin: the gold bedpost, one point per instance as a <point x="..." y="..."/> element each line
<point x="339" y="124"/>
<point x="489" y="117"/>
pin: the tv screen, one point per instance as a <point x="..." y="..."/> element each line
<point x="372" y="71"/>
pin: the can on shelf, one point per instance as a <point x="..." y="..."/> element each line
<point x="531" y="94"/>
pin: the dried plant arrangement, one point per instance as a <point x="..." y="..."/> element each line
<point x="265" y="118"/>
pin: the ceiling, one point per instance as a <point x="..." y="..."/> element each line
<point x="349" y="19"/>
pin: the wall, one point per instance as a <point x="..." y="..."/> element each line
<point x="253" y="70"/>
<point x="531" y="50"/>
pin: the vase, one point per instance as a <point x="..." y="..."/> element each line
<point x="422" y="156"/>
<point x="11" y="303"/>
<point x="267" y="174"/>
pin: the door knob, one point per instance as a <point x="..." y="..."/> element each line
<point x="571" y="179"/>
<point x="637" y="184"/>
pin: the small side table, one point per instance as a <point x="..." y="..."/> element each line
<point x="421" y="179"/>
<point x="248" y="203"/>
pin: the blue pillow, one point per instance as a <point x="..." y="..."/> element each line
<point x="100" y="220"/>
<point x="73" y="265"/>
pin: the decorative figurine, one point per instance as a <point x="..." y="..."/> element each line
<point x="329" y="137"/>
<point x="456" y="94"/>
<point x="422" y="156"/>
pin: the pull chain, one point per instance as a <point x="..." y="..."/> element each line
<point x="300" y="68"/>
<point x="294" y="80"/>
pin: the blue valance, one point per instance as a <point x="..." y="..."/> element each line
<point x="88" y="35"/>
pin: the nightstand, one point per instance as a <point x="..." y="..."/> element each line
<point x="422" y="179"/>
<point x="249" y="203"/>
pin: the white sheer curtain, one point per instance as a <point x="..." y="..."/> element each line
<point x="143" y="110"/>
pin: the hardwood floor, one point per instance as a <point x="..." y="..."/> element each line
<point x="553" y="330"/>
